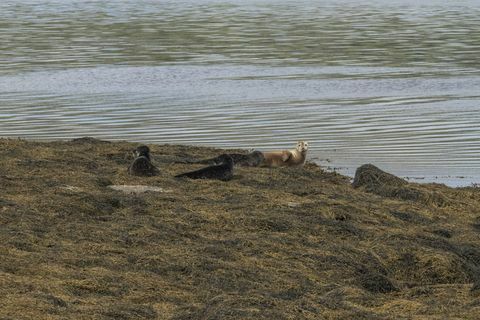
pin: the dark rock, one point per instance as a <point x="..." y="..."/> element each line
<point x="372" y="178"/>
<point x="384" y="184"/>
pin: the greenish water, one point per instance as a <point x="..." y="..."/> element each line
<point x="394" y="83"/>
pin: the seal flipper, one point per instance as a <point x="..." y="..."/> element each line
<point x="286" y="155"/>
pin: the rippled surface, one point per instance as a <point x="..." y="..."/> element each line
<point x="394" y="83"/>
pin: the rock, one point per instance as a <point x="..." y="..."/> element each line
<point x="384" y="184"/>
<point x="138" y="189"/>
<point x="372" y="178"/>
<point x="293" y="204"/>
<point x="72" y="188"/>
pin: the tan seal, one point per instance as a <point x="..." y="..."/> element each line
<point x="287" y="158"/>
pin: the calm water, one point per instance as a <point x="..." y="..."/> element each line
<point x="394" y="83"/>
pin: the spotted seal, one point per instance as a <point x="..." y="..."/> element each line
<point x="142" y="164"/>
<point x="286" y="158"/>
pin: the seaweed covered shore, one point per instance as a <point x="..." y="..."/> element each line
<point x="284" y="243"/>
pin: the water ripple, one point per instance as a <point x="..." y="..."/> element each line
<point x="390" y="82"/>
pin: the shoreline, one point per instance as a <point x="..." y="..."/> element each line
<point x="82" y="239"/>
<point x="452" y="181"/>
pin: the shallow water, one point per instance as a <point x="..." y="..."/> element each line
<point x="394" y="83"/>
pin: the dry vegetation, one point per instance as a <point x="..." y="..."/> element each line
<point x="270" y="244"/>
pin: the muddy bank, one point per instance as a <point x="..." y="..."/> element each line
<point x="269" y="244"/>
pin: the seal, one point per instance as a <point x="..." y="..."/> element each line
<point x="286" y="158"/>
<point x="142" y="164"/>
<point x="252" y="159"/>
<point x="223" y="171"/>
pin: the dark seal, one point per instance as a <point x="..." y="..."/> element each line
<point x="222" y="171"/>
<point x="252" y="159"/>
<point x="142" y="165"/>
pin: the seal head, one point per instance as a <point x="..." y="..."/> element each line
<point x="142" y="151"/>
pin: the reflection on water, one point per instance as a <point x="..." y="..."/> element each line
<point x="393" y="83"/>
